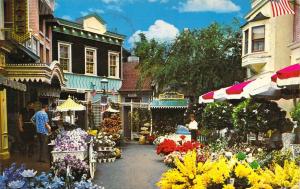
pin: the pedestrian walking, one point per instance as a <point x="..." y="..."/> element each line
<point x="193" y="127"/>
<point x="43" y="129"/>
<point x="26" y="128"/>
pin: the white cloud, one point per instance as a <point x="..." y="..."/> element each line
<point x="161" y="1"/>
<point x="84" y="13"/>
<point x="116" y="8"/>
<point x="220" y="6"/>
<point x="99" y="11"/>
<point x="110" y="1"/>
<point x="160" y="31"/>
<point x="66" y="17"/>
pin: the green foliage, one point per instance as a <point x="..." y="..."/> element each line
<point x="217" y="115"/>
<point x="195" y="62"/>
<point x="296" y="113"/>
<point x="196" y="109"/>
<point x="241" y="156"/>
<point x="258" y="116"/>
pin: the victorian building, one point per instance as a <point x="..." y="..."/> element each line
<point x="26" y="47"/>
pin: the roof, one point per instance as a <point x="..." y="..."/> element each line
<point x="131" y="77"/>
<point x="258" y="17"/>
<point x="99" y="18"/>
<point x="79" y="25"/>
<point x="169" y="104"/>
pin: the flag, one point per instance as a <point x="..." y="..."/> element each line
<point x="281" y="7"/>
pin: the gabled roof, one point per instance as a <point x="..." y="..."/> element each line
<point x="130" y="79"/>
<point x="80" y="20"/>
<point x="258" y="17"/>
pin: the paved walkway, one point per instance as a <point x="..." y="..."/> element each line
<point x="139" y="167"/>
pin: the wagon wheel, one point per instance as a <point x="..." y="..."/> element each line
<point x="92" y="160"/>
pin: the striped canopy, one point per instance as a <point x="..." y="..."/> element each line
<point x="287" y="76"/>
<point x="207" y="97"/>
<point x="237" y="91"/>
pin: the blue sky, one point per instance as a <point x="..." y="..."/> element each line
<point x="159" y="19"/>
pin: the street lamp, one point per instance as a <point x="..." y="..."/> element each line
<point x="104" y="85"/>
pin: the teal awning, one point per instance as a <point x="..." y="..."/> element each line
<point x="169" y="104"/>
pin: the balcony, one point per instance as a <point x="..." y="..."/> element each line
<point x="256" y="59"/>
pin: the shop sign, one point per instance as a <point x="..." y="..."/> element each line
<point x="20" y="30"/>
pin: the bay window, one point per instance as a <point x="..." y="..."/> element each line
<point x="258" y="38"/>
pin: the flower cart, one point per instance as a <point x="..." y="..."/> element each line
<point x="105" y="148"/>
<point x="75" y="143"/>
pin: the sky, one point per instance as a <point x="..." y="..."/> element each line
<point x="158" y="19"/>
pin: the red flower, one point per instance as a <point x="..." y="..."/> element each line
<point x="166" y="147"/>
<point x="182" y="137"/>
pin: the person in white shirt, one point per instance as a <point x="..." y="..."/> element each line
<point x="193" y="127"/>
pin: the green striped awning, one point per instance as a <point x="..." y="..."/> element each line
<point x="169" y="104"/>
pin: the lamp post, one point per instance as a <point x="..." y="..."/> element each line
<point x="104" y="85"/>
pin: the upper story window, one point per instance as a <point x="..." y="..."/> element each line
<point x="113" y="67"/>
<point x="65" y="56"/>
<point x="258" y="38"/>
<point x="90" y="61"/>
<point x="246" y="43"/>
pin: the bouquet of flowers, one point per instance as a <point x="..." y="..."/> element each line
<point x="75" y="140"/>
<point x="20" y="178"/>
<point x="77" y="167"/>
<point x="166" y="147"/>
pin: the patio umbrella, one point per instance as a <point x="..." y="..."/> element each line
<point x="237" y="91"/>
<point x="263" y="87"/>
<point x="207" y="97"/>
<point x="220" y="95"/>
<point x="287" y="76"/>
<point x="70" y="105"/>
<point x="110" y="109"/>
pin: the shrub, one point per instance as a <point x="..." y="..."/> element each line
<point x="258" y="116"/>
<point x="296" y="113"/>
<point x="217" y="115"/>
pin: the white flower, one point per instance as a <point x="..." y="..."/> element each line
<point x="259" y="150"/>
<point x="223" y="111"/>
<point x="29" y="173"/>
<point x="16" y="184"/>
<point x="248" y="149"/>
<point x="228" y="154"/>
<point x="250" y="159"/>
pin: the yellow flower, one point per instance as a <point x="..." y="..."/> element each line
<point x="242" y="170"/>
<point x="228" y="186"/>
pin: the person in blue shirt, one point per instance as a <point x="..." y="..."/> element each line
<point x="43" y="129"/>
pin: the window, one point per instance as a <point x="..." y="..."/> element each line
<point x="42" y="53"/>
<point x="34" y="45"/>
<point x="47" y="56"/>
<point x="246" y="33"/>
<point x="258" y="39"/>
<point x="90" y="61"/>
<point x="48" y="31"/>
<point x="113" y="69"/>
<point x="41" y="25"/>
<point x="65" y="56"/>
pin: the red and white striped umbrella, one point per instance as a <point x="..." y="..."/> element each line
<point x="287" y="76"/>
<point x="207" y="98"/>
<point x="237" y="91"/>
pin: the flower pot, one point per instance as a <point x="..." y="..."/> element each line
<point x="287" y="139"/>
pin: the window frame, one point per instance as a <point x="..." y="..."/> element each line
<point x="95" y="60"/>
<point x="246" y="41"/>
<point x="117" y="75"/>
<point x="70" y="54"/>
<point x="258" y="40"/>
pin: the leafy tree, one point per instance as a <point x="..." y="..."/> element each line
<point x="196" y="62"/>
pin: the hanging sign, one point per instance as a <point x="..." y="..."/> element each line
<point x="20" y="30"/>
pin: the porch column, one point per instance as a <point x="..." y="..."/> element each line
<point x="4" y="152"/>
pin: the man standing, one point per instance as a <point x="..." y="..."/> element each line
<point x="26" y="128"/>
<point x="41" y="121"/>
<point x="193" y="127"/>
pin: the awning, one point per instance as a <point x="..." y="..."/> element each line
<point x="207" y="98"/>
<point x="288" y="76"/>
<point x="263" y="87"/>
<point x="237" y="91"/>
<point x="169" y="104"/>
<point x="12" y="84"/>
<point x="70" y="105"/>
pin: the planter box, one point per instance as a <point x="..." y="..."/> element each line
<point x="82" y="155"/>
